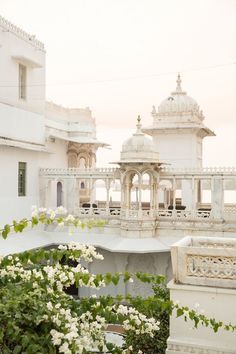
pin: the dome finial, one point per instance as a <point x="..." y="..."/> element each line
<point x="139" y="125"/>
<point x="178" y="81"/>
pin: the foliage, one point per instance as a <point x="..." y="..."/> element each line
<point x="37" y="316"/>
<point x="47" y="217"/>
<point x="158" y="306"/>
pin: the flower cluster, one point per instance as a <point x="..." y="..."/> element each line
<point x="74" y="334"/>
<point x="136" y="321"/>
<point x="72" y="329"/>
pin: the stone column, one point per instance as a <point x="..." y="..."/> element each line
<point x="78" y="181"/>
<point x="71" y="195"/>
<point x="187" y="194"/>
<point x="156" y="201"/>
<point x="174" y="193"/>
<point x="217" y="197"/>
<point x="140" y="198"/>
<point x="107" y="195"/>
<point x="194" y="192"/>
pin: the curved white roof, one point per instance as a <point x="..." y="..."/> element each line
<point x="139" y="148"/>
<point x="178" y="102"/>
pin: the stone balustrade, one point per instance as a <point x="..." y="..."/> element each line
<point x="205" y="261"/>
<point x="97" y="213"/>
<point x="144" y="214"/>
<point x="77" y="172"/>
<point x="200" y="170"/>
<point x="204" y="270"/>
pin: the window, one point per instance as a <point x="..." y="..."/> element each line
<point x="22" y="82"/>
<point x="22" y="179"/>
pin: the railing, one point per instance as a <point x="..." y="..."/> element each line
<point x="77" y="171"/>
<point x="117" y="213"/>
<point x="199" y="170"/>
<point x="20" y="33"/>
<point x="184" y="214"/>
<point x="98" y="213"/>
<point x="202" y="260"/>
<point x="230" y="209"/>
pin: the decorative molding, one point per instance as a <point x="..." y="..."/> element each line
<point x="31" y="39"/>
<point x="217" y="267"/>
<point x="199" y="170"/>
<point x="190" y="349"/>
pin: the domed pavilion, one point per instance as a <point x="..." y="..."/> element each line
<point x="178" y="129"/>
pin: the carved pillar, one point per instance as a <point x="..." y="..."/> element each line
<point x="217" y="197"/>
<point x="156" y="196"/>
<point x="107" y="194"/>
<point x="78" y="192"/>
<point x="91" y="190"/>
<point x="174" y="193"/>
<point x="71" y="193"/>
<point x="193" y="196"/>
<point x="140" y="196"/>
<point x="151" y="193"/>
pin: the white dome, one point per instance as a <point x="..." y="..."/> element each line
<point x="139" y="148"/>
<point x="178" y="102"/>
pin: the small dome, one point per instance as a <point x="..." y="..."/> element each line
<point x="139" y="148"/>
<point x="178" y="102"/>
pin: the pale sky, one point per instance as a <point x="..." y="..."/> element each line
<point x="119" y="57"/>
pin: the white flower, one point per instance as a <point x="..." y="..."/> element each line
<point x="52" y="215"/>
<point x="34" y="214"/>
<point x="64" y="348"/>
<point x="70" y="218"/>
<point x="131" y="280"/>
<point x="62" y="247"/>
<point x="49" y="306"/>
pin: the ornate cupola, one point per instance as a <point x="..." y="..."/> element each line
<point x="139" y="170"/>
<point x="139" y="148"/>
<point x="178" y="129"/>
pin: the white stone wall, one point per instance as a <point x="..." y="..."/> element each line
<point x="12" y="206"/>
<point x="14" y="50"/>
<point x="178" y="149"/>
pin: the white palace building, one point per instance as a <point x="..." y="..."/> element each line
<point x="48" y="159"/>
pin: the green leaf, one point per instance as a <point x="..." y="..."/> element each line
<point x="17" y="349"/>
<point x="6" y="231"/>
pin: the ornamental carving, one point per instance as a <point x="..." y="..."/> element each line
<point x="189" y="349"/>
<point x="211" y="267"/>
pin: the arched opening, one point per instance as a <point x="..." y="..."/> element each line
<point x="59" y="194"/>
<point x="135" y="191"/>
<point x="72" y="160"/>
<point x="164" y="194"/>
<point x="100" y="193"/>
<point x="82" y="163"/>
<point x="82" y="185"/>
<point x="146" y="191"/>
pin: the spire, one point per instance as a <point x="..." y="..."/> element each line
<point x="178" y="81"/>
<point x="178" y="90"/>
<point x="154" y="112"/>
<point x="139" y="125"/>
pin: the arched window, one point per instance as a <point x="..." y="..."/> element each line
<point x="59" y="194"/>
<point x="82" y="186"/>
